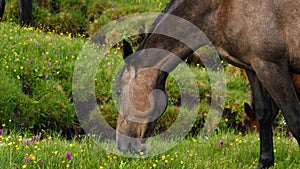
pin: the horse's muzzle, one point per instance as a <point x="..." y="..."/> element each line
<point x="130" y="144"/>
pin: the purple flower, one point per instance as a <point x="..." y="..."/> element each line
<point x="290" y="134"/>
<point x="27" y="38"/>
<point x="46" y="77"/>
<point x="26" y="159"/>
<point x="105" y="54"/>
<point x="27" y="142"/>
<point x="113" y="6"/>
<point x="31" y="61"/>
<point x="221" y="143"/>
<point x="41" y="163"/>
<point x="249" y="96"/>
<point x="108" y="66"/>
<point x="43" y="54"/>
<point x="35" y="139"/>
<point x="36" y="43"/>
<point x="49" y="63"/>
<point x="1" y="132"/>
<point x="22" y="124"/>
<point x="57" y="52"/>
<point x="71" y="53"/>
<point x="51" y="39"/>
<point x="69" y="156"/>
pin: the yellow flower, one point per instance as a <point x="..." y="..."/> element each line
<point x="101" y="167"/>
<point x="24" y="166"/>
<point x="32" y="157"/>
<point x="163" y="157"/>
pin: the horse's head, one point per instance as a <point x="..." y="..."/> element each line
<point x="142" y="100"/>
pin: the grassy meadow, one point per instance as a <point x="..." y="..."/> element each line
<point x="224" y="150"/>
<point x="37" y="111"/>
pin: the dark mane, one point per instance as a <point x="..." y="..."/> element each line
<point x="156" y="22"/>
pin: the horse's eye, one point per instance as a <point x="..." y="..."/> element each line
<point x="119" y="92"/>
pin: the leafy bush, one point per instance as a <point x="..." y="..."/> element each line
<point x="83" y="16"/>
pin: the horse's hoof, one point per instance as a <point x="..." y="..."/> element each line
<point x="261" y="166"/>
<point x="264" y="166"/>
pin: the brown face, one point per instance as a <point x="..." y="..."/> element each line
<point x="140" y="105"/>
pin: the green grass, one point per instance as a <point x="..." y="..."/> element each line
<point x="236" y="152"/>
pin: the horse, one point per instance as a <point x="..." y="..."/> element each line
<point x="261" y="37"/>
<point x="2" y="8"/>
<point x="25" y="11"/>
<point x="250" y="123"/>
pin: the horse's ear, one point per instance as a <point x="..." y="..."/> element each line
<point x="249" y="111"/>
<point x="126" y="50"/>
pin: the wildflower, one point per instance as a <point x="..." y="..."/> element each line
<point x="26" y="159"/>
<point x="22" y="124"/>
<point x="24" y="166"/>
<point x="43" y="54"/>
<point x="221" y="143"/>
<point x="105" y="55"/>
<point x="249" y="96"/>
<point x="69" y="156"/>
<point x="46" y="77"/>
<point x="101" y="167"/>
<point x="32" y="157"/>
<point x="1" y="132"/>
<point x="35" y="138"/>
<point x="36" y="43"/>
<point x="49" y="63"/>
<point x="290" y="134"/>
<point x="71" y="53"/>
<point x="113" y="6"/>
<point x="41" y="163"/>
<point x="27" y="142"/>
<point x="57" y="52"/>
<point x="51" y="39"/>
<point x="108" y="66"/>
<point x="31" y="61"/>
<point x="27" y="38"/>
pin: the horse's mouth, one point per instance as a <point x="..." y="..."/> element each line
<point x="131" y="145"/>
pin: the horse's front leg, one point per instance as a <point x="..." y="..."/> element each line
<point x="263" y="106"/>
